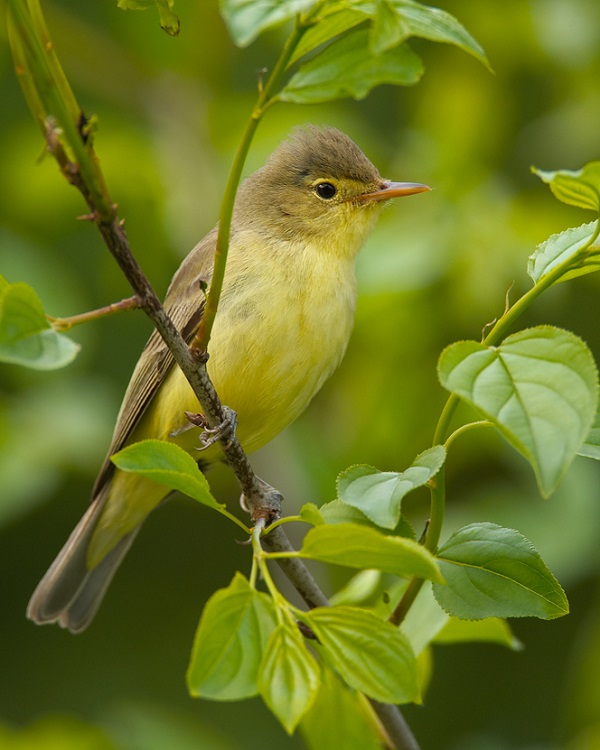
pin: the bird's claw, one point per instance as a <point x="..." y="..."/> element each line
<point x="212" y="435"/>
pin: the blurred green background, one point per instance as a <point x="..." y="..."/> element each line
<point x="436" y="270"/>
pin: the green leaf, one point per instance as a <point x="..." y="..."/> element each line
<point x="416" y="19"/>
<point x="334" y="21"/>
<point x="169" y="22"/>
<point x="424" y="620"/>
<point x="359" y="588"/>
<point x="378" y="494"/>
<point x="581" y="188"/>
<point x="169" y="465"/>
<point x="389" y="27"/>
<point x="591" y="446"/>
<point x="338" y="512"/>
<point x="559" y="248"/>
<point x="247" y="19"/>
<point x="26" y="337"/>
<point x="230" y="642"/>
<point x="491" y="571"/>
<point x="289" y="676"/>
<point x="340" y="717"/>
<point x="368" y="653"/>
<point x="356" y="546"/>
<point x="348" y="68"/>
<point x="311" y="514"/>
<point x="540" y="389"/>
<point x="490" y="630"/>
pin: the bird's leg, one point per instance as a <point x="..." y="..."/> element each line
<point x="211" y="435"/>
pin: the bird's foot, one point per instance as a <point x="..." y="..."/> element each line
<point x="211" y="435"/>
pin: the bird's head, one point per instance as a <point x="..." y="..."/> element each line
<point x="318" y="187"/>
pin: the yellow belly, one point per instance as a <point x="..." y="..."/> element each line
<point x="274" y="342"/>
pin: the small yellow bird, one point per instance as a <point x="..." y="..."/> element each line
<point x="282" y="327"/>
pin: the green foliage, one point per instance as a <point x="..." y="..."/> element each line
<point x="581" y="188"/>
<point x="491" y="571"/>
<point x="378" y="494"/>
<point x="564" y="248"/>
<point x="540" y="389"/>
<point x="358" y="730"/>
<point x="339" y="71"/>
<point x="368" y="653"/>
<point x="289" y="676"/>
<point x="591" y="446"/>
<point x="230" y="642"/>
<point x="246" y="19"/>
<point x="360" y="547"/>
<point x="169" y="465"/>
<point x="168" y="20"/>
<point x="26" y="336"/>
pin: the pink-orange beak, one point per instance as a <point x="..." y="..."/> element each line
<point x="389" y="190"/>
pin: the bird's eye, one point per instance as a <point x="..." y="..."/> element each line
<point x="325" y="190"/>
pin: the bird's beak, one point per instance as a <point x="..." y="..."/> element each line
<point x="389" y="190"/>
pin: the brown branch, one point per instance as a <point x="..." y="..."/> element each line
<point x="65" y="324"/>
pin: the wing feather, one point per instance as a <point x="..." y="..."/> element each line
<point x="184" y="303"/>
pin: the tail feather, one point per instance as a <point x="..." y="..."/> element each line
<point x="70" y="593"/>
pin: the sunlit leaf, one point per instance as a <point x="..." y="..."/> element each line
<point x="378" y="494"/>
<point x="348" y="68"/>
<point x="559" y="248"/>
<point x="491" y="571"/>
<point x="424" y="620"/>
<point x="490" y="630"/>
<point x="168" y="20"/>
<point x="357" y="546"/>
<point x="591" y="446"/>
<point x="230" y="642"/>
<point x="26" y="337"/>
<point x="169" y="465"/>
<point x="580" y="188"/>
<point x="540" y="389"/>
<point x="340" y="717"/>
<point x="289" y="676"/>
<point x="416" y="19"/>
<point x="333" y="22"/>
<point x="359" y="588"/>
<point x="367" y="652"/>
<point x="389" y="27"/>
<point x="311" y="514"/>
<point x="247" y="19"/>
<point x="336" y="512"/>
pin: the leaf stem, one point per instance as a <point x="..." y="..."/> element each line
<point x="465" y="428"/>
<point x="265" y="94"/>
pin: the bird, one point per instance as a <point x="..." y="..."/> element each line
<point x="282" y="326"/>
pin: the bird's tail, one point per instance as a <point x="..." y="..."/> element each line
<point x="70" y="593"/>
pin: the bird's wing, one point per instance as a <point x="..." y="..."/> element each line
<point x="184" y="303"/>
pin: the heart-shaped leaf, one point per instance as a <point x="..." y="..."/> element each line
<point x="491" y="571"/>
<point x="26" y="337"/>
<point x="230" y="642"/>
<point x="539" y="387"/>
<point x="368" y="653"/>
<point x="378" y="494"/>
<point x="169" y="465"/>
